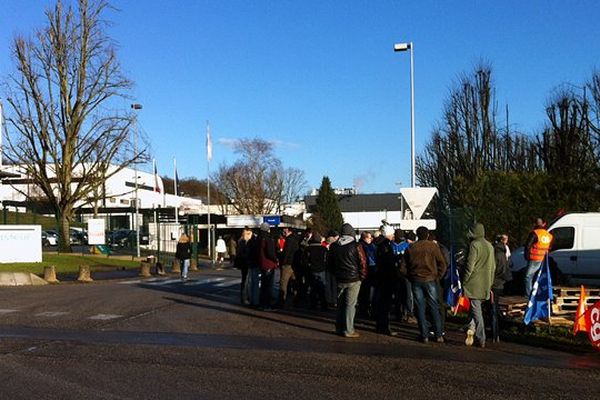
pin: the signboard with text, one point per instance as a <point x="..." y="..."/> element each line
<point x="20" y="243"/>
<point x="96" y="228"/>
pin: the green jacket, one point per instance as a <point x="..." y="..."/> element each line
<point x="478" y="275"/>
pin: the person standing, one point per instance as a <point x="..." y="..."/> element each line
<point x="242" y="262"/>
<point x="232" y="249"/>
<point x="267" y="261"/>
<point x="424" y="265"/>
<point x="536" y="248"/>
<point x="502" y="275"/>
<point x="348" y="262"/>
<point x="314" y="260"/>
<point x="387" y="280"/>
<point x="288" y="254"/>
<point x="183" y="253"/>
<point x="367" y="288"/>
<point x="477" y="280"/>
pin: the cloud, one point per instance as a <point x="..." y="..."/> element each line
<point x="360" y="180"/>
<point x="228" y="142"/>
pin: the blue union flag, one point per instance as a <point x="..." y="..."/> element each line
<point x="541" y="295"/>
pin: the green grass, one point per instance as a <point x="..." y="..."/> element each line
<point x="67" y="263"/>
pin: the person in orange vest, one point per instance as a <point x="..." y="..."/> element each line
<point x="536" y="248"/>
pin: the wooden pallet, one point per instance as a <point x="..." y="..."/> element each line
<point x="562" y="291"/>
<point x="589" y="301"/>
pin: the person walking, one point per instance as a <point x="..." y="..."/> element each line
<point x="536" y="248"/>
<point x="477" y="279"/>
<point x="221" y="249"/>
<point x="267" y="261"/>
<point x="348" y="262"/>
<point x="424" y="264"/>
<point x="183" y="252"/>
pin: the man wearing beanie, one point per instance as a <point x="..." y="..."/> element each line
<point x="423" y="265"/>
<point x="348" y="262"/>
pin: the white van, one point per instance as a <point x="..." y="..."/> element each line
<point x="575" y="249"/>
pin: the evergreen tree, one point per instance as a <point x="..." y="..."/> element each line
<point x="328" y="209"/>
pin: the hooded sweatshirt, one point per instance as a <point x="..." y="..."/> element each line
<point x="478" y="274"/>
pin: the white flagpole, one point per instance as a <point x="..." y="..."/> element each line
<point x="175" y="190"/>
<point x="208" y="158"/>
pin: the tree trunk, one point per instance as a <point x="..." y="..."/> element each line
<point x="63" y="220"/>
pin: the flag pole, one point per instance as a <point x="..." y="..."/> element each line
<point x="208" y="158"/>
<point x="175" y="190"/>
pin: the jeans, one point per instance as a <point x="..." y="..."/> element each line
<point x="267" y="284"/>
<point x="347" y="294"/>
<point x="185" y="266"/>
<point x="405" y="295"/>
<point x="425" y="294"/>
<point x="330" y="288"/>
<point x="383" y="305"/>
<point x="254" y="285"/>
<point x="317" y="290"/>
<point x="476" y="320"/>
<point x="244" y="286"/>
<point x="495" y="313"/>
<point x="532" y="268"/>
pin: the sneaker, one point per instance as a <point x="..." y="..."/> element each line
<point x="469" y="339"/>
<point x="423" y="339"/>
<point x="481" y="345"/>
<point x="352" y="335"/>
<point x="440" y="339"/>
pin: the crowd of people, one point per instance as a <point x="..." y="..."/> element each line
<point x="382" y="273"/>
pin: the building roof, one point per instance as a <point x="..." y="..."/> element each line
<point x="362" y="202"/>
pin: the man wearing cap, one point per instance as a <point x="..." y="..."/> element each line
<point x="348" y="262"/>
<point x="267" y="261"/>
<point x="423" y="265"/>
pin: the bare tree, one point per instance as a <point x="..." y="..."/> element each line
<point x="257" y="183"/>
<point x="67" y="136"/>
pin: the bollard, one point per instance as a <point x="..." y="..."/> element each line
<point x="85" y="274"/>
<point x="193" y="265"/>
<point x="50" y="274"/>
<point x="145" y="269"/>
<point x="160" y="270"/>
<point x="176" y="269"/>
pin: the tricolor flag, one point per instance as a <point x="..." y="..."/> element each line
<point x="541" y="295"/>
<point x="453" y="284"/>
<point x="208" y="143"/>
<point x="156" y="186"/>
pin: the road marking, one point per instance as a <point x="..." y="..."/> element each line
<point x="51" y="314"/>
<point x="229" y="283"/>
<point x="105" y="317"/>
<point x="7" y="311"/>
<point x="140" y="281"/>
<point x="204" y="281"/>
<point x="166" y="282"/>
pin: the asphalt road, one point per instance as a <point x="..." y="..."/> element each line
<point x="162" y="339"/>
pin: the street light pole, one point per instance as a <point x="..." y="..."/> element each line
<point x="136" y="106"/>
<point x="404" y="47"/>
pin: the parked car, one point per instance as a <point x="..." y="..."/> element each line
<point x="49" y="239"/>
<point x="78" y="236"/>
<point x="575" y="250"/>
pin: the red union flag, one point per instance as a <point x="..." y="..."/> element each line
<point x="593" y="322"/>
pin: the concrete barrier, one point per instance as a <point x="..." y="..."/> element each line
<point x="193" y="264"/>
<point x="176" y="269"/>
<point x="145" y="269"/>
<point x="160" y="269"/>
<point x="85" y="274"/>
<point x="20" y="279"/>
<point x="50" y="274"/>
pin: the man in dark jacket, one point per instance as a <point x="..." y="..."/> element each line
<point x="267" y="261"/>
<point x="502" y="275"/>
<point x="424" y="264"/>
<point x="348" y="262"/>
<point x="288" y="254"/>
<point x="314" y="262"/>
<point x="386" y="280"/>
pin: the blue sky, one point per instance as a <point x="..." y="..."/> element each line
<point x="320" y="78"/>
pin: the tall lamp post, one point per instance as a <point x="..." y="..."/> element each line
<point x="404" y="47"/>
<point x="136" y="107"/>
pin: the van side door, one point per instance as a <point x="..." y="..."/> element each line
<point x="588" y="259"/>
<point x="563" y="249"/>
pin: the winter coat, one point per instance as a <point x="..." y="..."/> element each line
<point x="503" y="273"/>
<point x="314" y="258"/>
<point x="387" y="262"/>
<point x="267" y="256"/>
<point x="291" y="246"/>
<point x="478" y="273"/>
<point x="183" y="251"/>
<point x="347" y="260"/>
<point x="423" y="262"/>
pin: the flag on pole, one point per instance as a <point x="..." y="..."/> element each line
<point x="208" y="143"/>
<point x="541" y="295"/>
<point x="580" y="324"/>
<point x="454" y="292"/>
<point x="176" y="180"/>
<point x="156" y="186"/>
